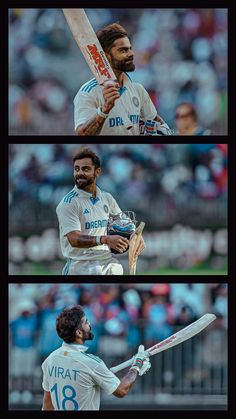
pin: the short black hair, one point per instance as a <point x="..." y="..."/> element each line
<point x="68" y="322"/>
<point x="84" y="153"/>
<point x="108" y="35"/>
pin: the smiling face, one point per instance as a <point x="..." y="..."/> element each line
<point x="85" y="174"/>
<point x="121" y="56"/>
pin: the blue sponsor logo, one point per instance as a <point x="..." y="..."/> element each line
<point x="89" y="225"/>
<point x="118" y="121"/>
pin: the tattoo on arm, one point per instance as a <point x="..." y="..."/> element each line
<point x="79" y="240"/>
<point x="92" y="127"/>
<point x="126" y="383"/>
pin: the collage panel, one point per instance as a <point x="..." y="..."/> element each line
<point x="125" y="209"/>
<point x="132" y="346"/>
<point x="171" y="65"/>
<point x="76" y="209"/>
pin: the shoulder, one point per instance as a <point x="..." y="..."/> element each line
<point x="48" y="359"/>
<point x="106" y="195"/>
<point x="69" y="198"/>
<point x="93" y="360"/>
<point x="87" y="88"/>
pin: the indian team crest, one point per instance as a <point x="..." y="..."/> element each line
<point x="106" y="209"/>
<point x="135" y="101"/>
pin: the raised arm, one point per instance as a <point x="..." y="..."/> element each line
<point x="141" y="365"/>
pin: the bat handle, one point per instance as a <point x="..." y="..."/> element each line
<point x="125" y="364"/>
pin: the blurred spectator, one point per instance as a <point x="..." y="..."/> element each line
<point x="159" y="314"/>
<point x="23" y="341"/>
<point x="48" y="338"/>
<point x="187" y="121"/>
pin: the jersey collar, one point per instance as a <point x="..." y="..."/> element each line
<point x="85" y="194"/>
<point x="75" y="346"/>
<point x="127" y="79"/>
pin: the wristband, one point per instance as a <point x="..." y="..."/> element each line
<point x="98" y="240"/>
<point x="102" y="114"/>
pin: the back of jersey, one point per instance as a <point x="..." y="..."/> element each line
<point x="70" y="377"/>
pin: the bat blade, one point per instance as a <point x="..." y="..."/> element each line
<point x="94" y="55"/>
<point x="134" y="243"/>
<point x="175" y="339"/>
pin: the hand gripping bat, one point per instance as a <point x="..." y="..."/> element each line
<point x="135" y="248"/>
<point x="93" y="53"/>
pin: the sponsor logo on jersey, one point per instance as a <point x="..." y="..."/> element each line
<point x="89" y="225"/>
<point x="106" y="209"/>
<point x="135" y="101"/>
<point x="118" y="121"/>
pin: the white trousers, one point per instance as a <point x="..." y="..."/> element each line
<point x="110" y="266"/>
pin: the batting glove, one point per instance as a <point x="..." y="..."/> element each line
<point x="141" y="361"/>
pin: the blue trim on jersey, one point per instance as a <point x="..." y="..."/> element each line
<point x="89" y="86"/>
<point x="94" y="357"/>
<point x="129" y="77"/>
<point x="94" y="200"/>
<point x="121" y="90"/>
<point x="69" y="196"/>
<point x="67" y="266"/>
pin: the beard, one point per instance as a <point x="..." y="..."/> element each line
<point x="123" y="65"/>
<point x="82" y="183"/>
<point x="88" y="335"/>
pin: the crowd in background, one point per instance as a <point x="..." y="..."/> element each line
<point x="133" y="313"/>
<point x="180" y="56"/>
<point x="170" y="178"/>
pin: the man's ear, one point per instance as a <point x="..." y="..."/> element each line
<point x="97" y="172"/>
<point x="79" y="333"/>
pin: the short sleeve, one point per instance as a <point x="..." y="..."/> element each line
<point x="148" y="110"/>
<point x="45" y="383"/>
<point x="68" y="217"/>
<point x="85" y="108"/>
<point x="114" y="207"/>
<point x="105" y="378"/>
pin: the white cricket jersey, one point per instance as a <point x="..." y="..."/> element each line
<point x="75" y="378"/>
<point x="79" y="210"/>
<point x="137" y="101"/>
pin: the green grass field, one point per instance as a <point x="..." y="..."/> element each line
<point x="192" y="271"/>
<point x="40" y="269"/>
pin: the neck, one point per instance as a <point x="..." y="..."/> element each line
<point x="78" y="341"/>
<point x="91" y="189"/>
<point x="119" y="76"/>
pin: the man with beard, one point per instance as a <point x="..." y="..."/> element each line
<point x="94" y="107"/>
<point x="73" y="378"/>
<point x="83" y="216"/>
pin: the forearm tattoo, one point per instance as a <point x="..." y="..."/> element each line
<point x="92" y="127"/>
<point x="128" y="380"/>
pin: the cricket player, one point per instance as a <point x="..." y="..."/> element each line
<point x="73" y="378"/>
<point x="94" y="111"/>
<point x="83" y="216"/>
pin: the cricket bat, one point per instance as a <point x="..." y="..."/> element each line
<point x="94" y="55"/>
<point x="179" y="337"/>
<point x="133" y="246"/>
